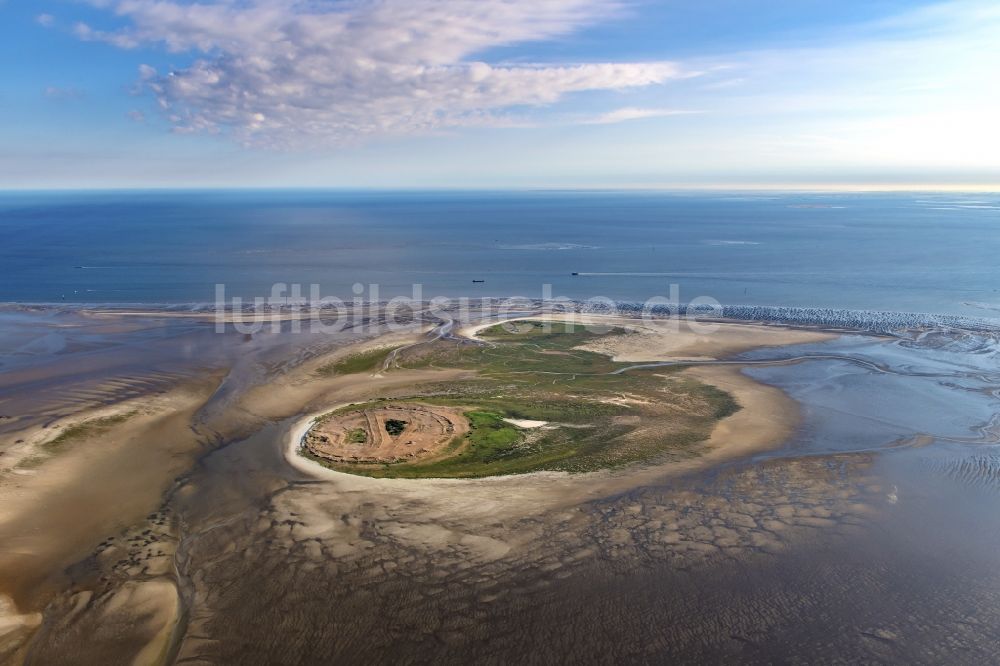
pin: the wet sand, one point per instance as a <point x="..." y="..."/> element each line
<point x="101" y="484"/>
<point x="773" y="544"/>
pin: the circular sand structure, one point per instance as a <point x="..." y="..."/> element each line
<point x="389" y="433"/>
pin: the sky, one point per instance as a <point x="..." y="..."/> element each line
<point x="813" y="94"/>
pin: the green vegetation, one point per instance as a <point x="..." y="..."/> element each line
<point x="395" y="427"/>
<point x="87" y="429"/>
<point x="75" y="432"/>
<point x="370" y="360"/>
<point x="600" y="414"/>
<point x="357" y="436"/>
<point x="549" y="332"/>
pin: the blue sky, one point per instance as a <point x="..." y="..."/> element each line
<point x="499" y="93"/>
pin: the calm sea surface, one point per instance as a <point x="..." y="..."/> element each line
<point x="935" y="253"/>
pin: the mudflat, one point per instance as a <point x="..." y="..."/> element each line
<point x="619" y="477"/>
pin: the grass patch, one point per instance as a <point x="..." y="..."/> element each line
<point x="490" y="436"/>
<point x="370" y="360"/>
<point x="85" y="429"/>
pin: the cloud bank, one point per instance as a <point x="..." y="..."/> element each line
<point x="633" y="113"/>
<point x="292" y="73"/>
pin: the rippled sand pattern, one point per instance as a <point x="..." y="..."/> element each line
<point x="384" y="581"/>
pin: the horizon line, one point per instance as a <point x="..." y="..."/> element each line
<point x="826" y="188"/>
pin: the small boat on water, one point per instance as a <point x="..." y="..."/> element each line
<point x="478" y="281"/>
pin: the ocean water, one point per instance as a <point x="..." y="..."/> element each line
<point x="928" y="253"/>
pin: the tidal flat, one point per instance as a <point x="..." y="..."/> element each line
<point x="844" y="509"/>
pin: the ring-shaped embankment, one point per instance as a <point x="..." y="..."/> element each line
<point x="386" y="433"/>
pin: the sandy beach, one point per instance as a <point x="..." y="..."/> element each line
<point x="676" y="339"/>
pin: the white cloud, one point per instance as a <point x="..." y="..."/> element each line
<point x="64" y="94"/>
<point x="633" y="113"/>
<point x="45" y="20"/>
<point x="304" y="72"/>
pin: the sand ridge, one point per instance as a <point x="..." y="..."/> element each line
<point x="674" y="339"/>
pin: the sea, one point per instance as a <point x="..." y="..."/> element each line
<point x="899" y="252"/>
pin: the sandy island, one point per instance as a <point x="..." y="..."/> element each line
<point x="767" y="419"/>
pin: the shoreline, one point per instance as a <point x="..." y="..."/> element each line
<point x="830" y="318"/>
